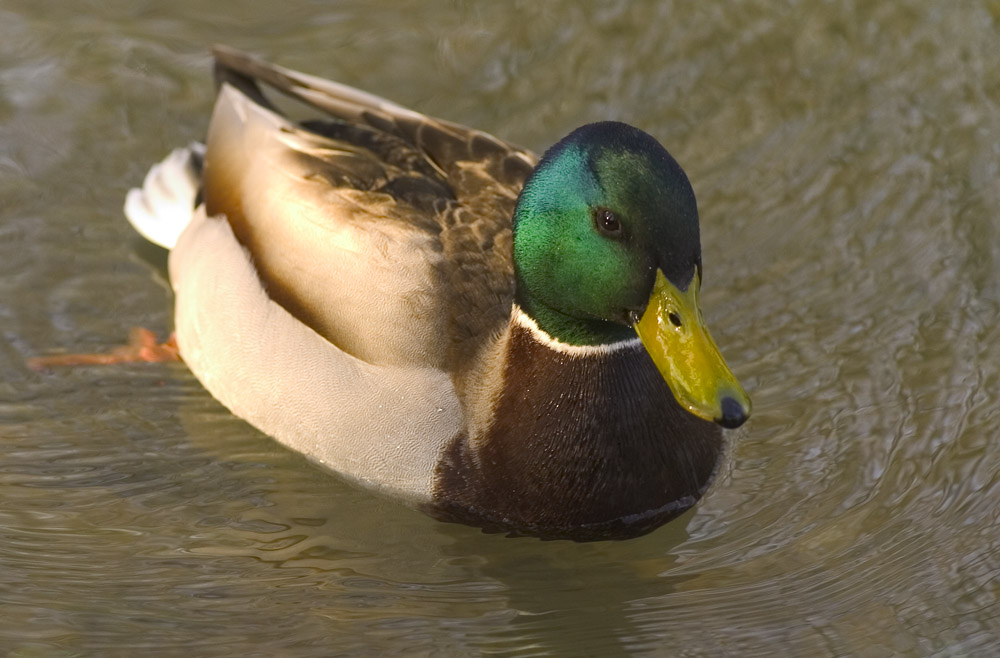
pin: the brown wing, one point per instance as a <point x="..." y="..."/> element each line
<point x="432" y="199"/>
<point x="450" y="147"/>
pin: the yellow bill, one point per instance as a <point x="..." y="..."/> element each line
<point x="674" y="333"/>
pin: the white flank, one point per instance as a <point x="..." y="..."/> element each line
<point x="523" y="319"/>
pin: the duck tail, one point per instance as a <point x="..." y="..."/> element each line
<point x="164" y="205"/>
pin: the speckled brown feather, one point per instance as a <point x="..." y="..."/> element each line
<point x="445" y="180"/>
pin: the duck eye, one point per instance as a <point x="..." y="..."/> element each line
<point x="607" y="222"/>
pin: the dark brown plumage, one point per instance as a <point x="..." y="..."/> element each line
<point x="579" y="448"/>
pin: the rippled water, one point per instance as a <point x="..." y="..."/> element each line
<point x="846" y="157"/>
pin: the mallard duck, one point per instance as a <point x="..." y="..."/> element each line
<point x="437" y="314"/>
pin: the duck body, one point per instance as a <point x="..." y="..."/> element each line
<point x="350" y="287"/>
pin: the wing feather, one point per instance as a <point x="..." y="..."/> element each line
<point x="386" y="231"/>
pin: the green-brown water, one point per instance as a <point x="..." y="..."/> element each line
<point x="846" y="157"/>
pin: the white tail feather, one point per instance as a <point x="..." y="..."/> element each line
<point x="163" y="206"/>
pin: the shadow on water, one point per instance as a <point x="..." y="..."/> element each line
<point x="456" y="587"/>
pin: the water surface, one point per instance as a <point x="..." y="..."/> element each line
<point x="846" y="157"/>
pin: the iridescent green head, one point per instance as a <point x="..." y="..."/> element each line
<point x="607" y="245"/>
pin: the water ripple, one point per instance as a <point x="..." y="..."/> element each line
<point x="845" y="160"/>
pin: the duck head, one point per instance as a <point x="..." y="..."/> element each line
<point x="607" y="246"/>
